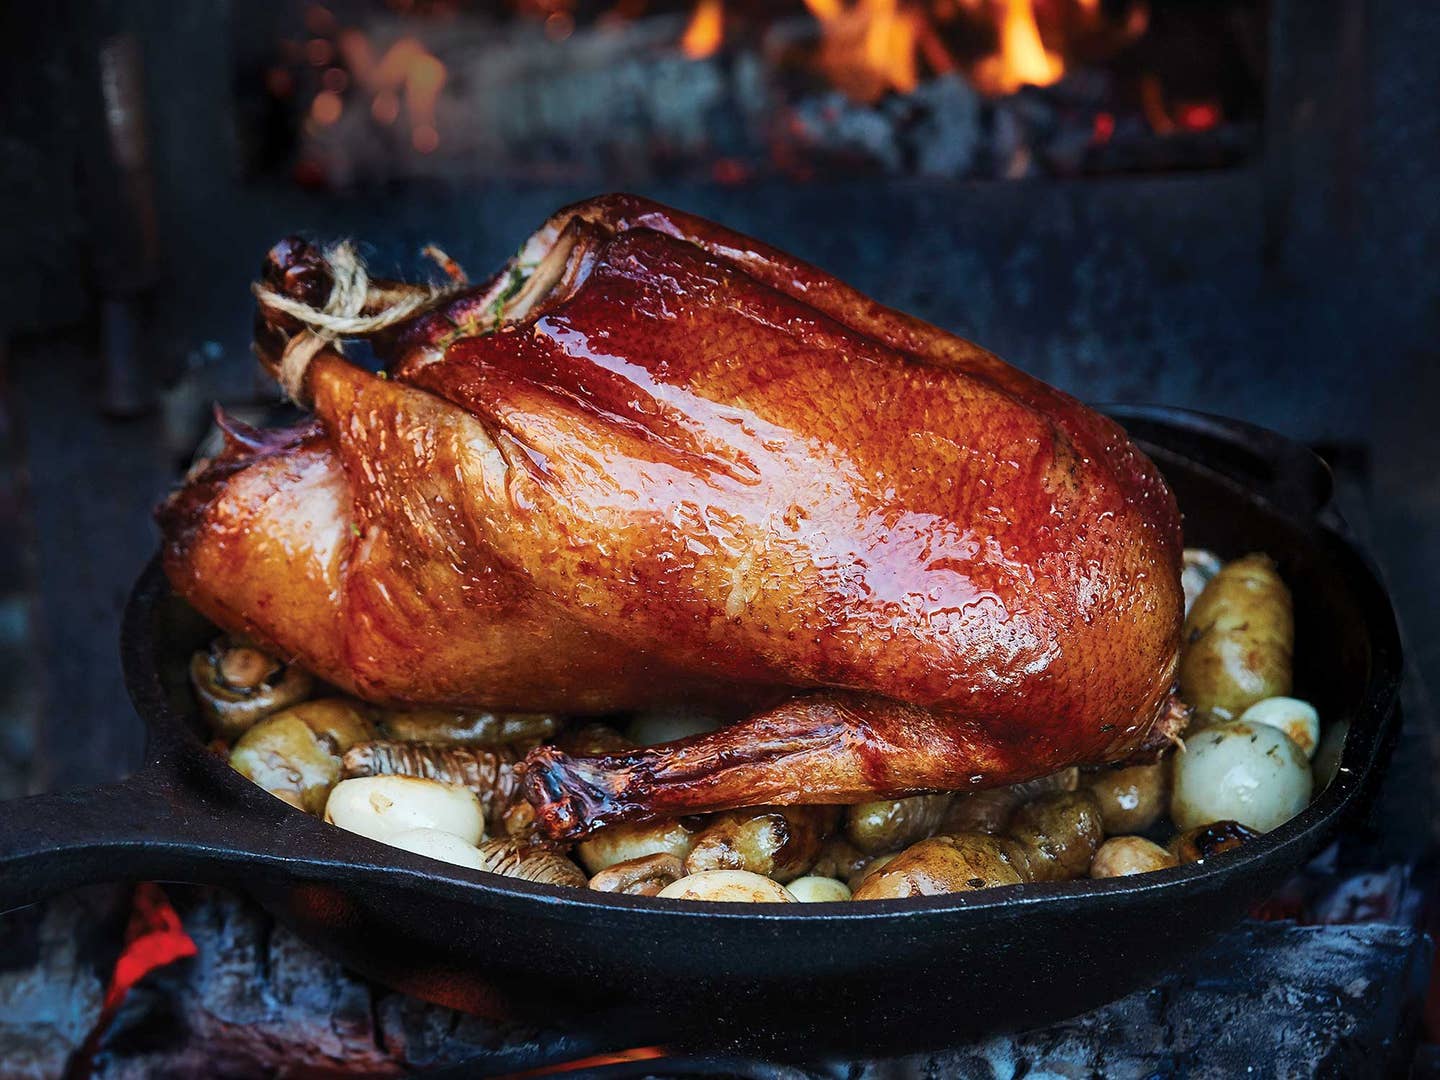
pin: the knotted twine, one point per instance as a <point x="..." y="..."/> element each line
<point x="344" y="311"/>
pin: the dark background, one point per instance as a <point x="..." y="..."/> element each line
<point x="1298" y="290"/>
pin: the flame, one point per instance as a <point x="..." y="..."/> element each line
<point x="408" y="67"/>
<point x="870" y="47"/>
<point x="1022" y="59"/>
<point x="706" y="30"/>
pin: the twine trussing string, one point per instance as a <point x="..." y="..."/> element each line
<point x="343" y="315"/>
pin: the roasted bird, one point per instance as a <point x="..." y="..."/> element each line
<point x="654" y="461"/>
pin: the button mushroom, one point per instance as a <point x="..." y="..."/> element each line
<point x="621" y="843"/>
<point x="644" y="876"/>
<point x="237" y="685"/>
<point x="517" y="859"/>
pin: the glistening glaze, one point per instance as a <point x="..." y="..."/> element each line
<point x="699" y="469"/>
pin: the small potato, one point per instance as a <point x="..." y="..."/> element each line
<point x="1250" y="773"/>
<point x="1121" y="856"/>
<point x="869" y="868"/>
<point x="381" y="806"/>
<point x="818" y="890"/>
<point x="781" y="842"/>
<point x="1238" y="639"/>
<point x="634" y="840"/>
<point x="944" y="864"/>
<point x="1203" y="841"/>
<point x="434" y="844"/>
<point x="295" y="754"/>
<point x="1296" y="718"/>
<point x="889" y="824"/>
<point x="1197" y="568"/>
<point x="458" y="727"/>
<point x="655" y="726"/>
<point x="1060" y="833"/>
<point x="838" y="859"/>
<point x="1131" y="799"/>
<point x="729" y="886"/>
<point x="644" y="876"/>
<point x="987" y="811"/>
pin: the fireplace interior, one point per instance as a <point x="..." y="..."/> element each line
<point x="1228" y="206"/>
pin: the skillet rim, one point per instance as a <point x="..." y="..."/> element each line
<point x="305" y="847"/>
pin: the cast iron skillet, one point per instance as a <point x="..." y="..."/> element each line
<point x="875" y="977"/>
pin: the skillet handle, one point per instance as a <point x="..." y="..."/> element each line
<point x="131" y="830"/>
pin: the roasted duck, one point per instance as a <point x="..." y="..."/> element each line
<point x="654" y="461"/>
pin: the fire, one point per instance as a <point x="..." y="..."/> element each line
<point x="1023" y="59"/>
<point x="706" y="30"/>
<point x="869" y="47"/>
<point x="406" y="69"/>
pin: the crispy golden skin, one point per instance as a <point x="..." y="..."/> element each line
<point x="684" y="466"/>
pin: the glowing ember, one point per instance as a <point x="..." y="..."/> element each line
<point x="706" y="30"/>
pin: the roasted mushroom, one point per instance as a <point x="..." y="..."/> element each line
<point x="622" y="843"/>
<point x="459" y="727"/>
<point x="295" y="754"/>
<point x="781" y="842"/>
<point x="238" y="685"/>
<point x="490" y="774"/>
<point x="891" y="824"/>
<point x="644" y="876"/>
<point x="1203" y="841"/>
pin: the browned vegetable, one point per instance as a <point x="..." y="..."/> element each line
<point x="1131" y="798"/>
<point x="1238" y="640"/>
<point x="869" y="868"/>
<point x="781" y="842"/>
<point x="644" y="876"/>
<point x="593" y="739"/>
<point x="890" y="824"/>
<point x="622" y="843"/>
<point x="490" y="774"/>
<point x="1121" y="856"/>
<point x="458" y="727"/>
<point x="1051" y="838"/>
<point x="295" y="754"/>
<point x="838" y="859"/>
<point x="237" y="685"/>
<point x="515" y="858"/>
<point x="1206" y="840"/>
<point x="990" y="810"/>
